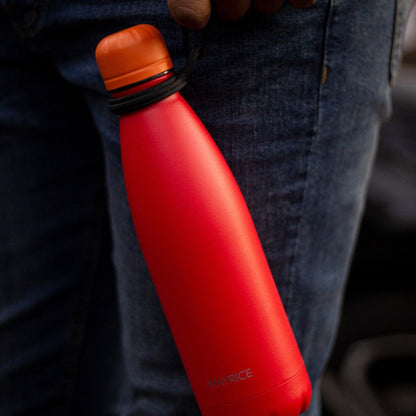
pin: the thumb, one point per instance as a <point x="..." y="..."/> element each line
<point x="193" y="14"/>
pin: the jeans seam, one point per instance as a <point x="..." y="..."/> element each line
<point x="400" y="16"/>
<point x="308" y="151"/>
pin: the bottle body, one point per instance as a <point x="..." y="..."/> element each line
<point x="208" y="267"/>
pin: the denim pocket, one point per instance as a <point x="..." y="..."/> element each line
<point x="402" y="12"/>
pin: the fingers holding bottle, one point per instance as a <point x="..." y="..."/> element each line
<point x="301" y="4"/>
<point x="195" y="14"/>
<point x="232" y="10"/>
<point x="268" y="6"/>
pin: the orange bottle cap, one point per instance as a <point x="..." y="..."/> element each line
<point x="132" y="55"/>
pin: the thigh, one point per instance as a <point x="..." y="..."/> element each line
<point x="51" y="217"/>
<point x="157" y="383"/>
<point x="294" y="101"/>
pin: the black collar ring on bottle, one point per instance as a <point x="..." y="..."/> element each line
<point x="157" y="92"/>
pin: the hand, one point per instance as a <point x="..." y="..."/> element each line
<point x="194" y="14"/>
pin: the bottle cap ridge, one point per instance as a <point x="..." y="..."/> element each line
<point x="132" y="55"/>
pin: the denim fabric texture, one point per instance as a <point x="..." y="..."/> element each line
<point x="294" y="101"/>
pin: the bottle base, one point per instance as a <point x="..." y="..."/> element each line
<point x="288" y="399"/>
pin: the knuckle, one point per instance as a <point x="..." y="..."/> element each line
<point x="191" y="14"/>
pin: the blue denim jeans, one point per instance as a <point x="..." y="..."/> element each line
<point x="294" y="100"/>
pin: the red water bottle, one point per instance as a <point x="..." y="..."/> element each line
<point x="199" y="241"/>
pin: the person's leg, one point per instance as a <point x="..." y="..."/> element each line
<point x="52" y="221"/>
<point x="157" y="382"/>
<point x="294" y="101"/>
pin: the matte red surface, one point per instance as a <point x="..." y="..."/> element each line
<point x="208" y="267"/>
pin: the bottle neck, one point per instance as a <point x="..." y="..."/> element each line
<point x="137" y="96"/>
<point x="141" y="85"/>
